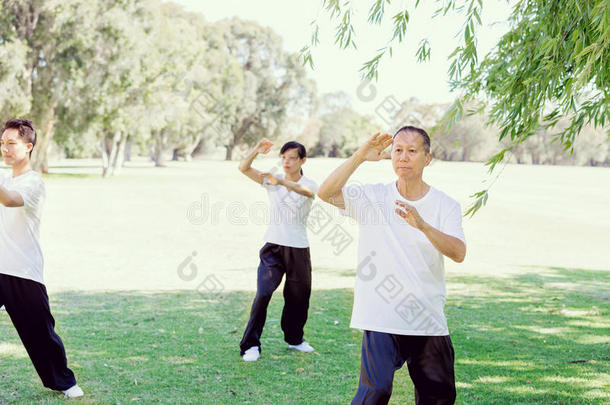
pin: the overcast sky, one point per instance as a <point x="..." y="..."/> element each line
<point x="336" y="69"/>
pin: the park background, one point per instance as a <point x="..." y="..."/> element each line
<point x="151" y="234"/>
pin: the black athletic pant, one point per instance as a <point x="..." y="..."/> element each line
<point x="275" y="260"/>
<point x="430" y="362"/>
<point x="27" y="303"/>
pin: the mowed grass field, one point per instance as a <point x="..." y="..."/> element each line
<point x="151" y="275"/>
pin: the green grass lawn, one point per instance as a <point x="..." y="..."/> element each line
<point x="528" y="311"/>
<point x="519" y="339"/>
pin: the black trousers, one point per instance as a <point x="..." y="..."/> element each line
<point x="430" y="361"/>
<point x="27" y="304"/>
<point x="275" y="261"/>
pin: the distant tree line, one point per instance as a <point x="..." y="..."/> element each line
<point x="109" y="78"/>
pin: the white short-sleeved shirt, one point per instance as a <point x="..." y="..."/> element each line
<point x="20" y="253"/>
<point x="400" y="281"/>
<point x="288" y="212"/>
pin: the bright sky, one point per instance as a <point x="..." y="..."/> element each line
<point x="336" y="69"/>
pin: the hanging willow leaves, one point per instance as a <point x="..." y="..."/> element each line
<point x="553" y="63"/>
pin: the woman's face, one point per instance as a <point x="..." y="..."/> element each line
<point x="291" y="163"/>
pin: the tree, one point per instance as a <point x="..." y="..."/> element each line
<point x="56" y="37"/>
<point x="14" y="100"/>
<point x="144" y="54"/>
<point x="342" y="129"/>
<point x="212" y="87"/>
<point x="273" y="82"/>
<point x="553" y="63"/>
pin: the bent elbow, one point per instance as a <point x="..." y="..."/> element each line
<point x="460" y="257"/>
<point x="323" y="196"/>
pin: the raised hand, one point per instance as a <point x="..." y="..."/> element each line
<point x="372" y="150"/>
<point x="264" y="146"/>
<point x="271" y="179"/>
<point x="409" y="214"/>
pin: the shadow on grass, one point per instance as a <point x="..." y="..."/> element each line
<point x="532" y="338"/>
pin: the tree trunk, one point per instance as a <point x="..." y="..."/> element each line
<point x="40" y="158"/>
<point x="189" y="150"/>
<point x="127" y="155"/>
<point x="238" y="134"/>
<point x="229" y="154"/>
<point x="109" y="148"/>
<point x="535" y="159"/>
<point x="103" y="147"/>
<point x="198" y="148"/>
<point x="159" y="147"/>
<point x="119" y="158"/>
<point x="114" y="143"/>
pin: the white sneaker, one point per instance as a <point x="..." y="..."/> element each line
<point x="252" y="354"/>
<point x="303" y="347"/>
<point x="74" y="392"/>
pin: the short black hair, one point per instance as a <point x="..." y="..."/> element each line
<point x="424" y="134"/>
<point x="24" y="127"/>
<point x="295" y="145"/>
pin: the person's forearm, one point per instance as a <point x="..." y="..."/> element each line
<point x="337" y="179"/>
<point x="247" y="161"/>
<point x="296" y="187"/>
<point x="449" y="246"/>
<point x="10" y="198"/>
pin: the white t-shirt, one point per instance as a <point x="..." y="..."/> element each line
<point x="20" y="253"/>
<point x="288" y="212"/>
<point x="400" y="281"/>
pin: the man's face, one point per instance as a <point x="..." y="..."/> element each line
<point x="409" y="155"/>
<point x="13" y="147"/>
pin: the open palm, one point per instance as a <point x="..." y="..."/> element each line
<point x="373" y="149"/>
